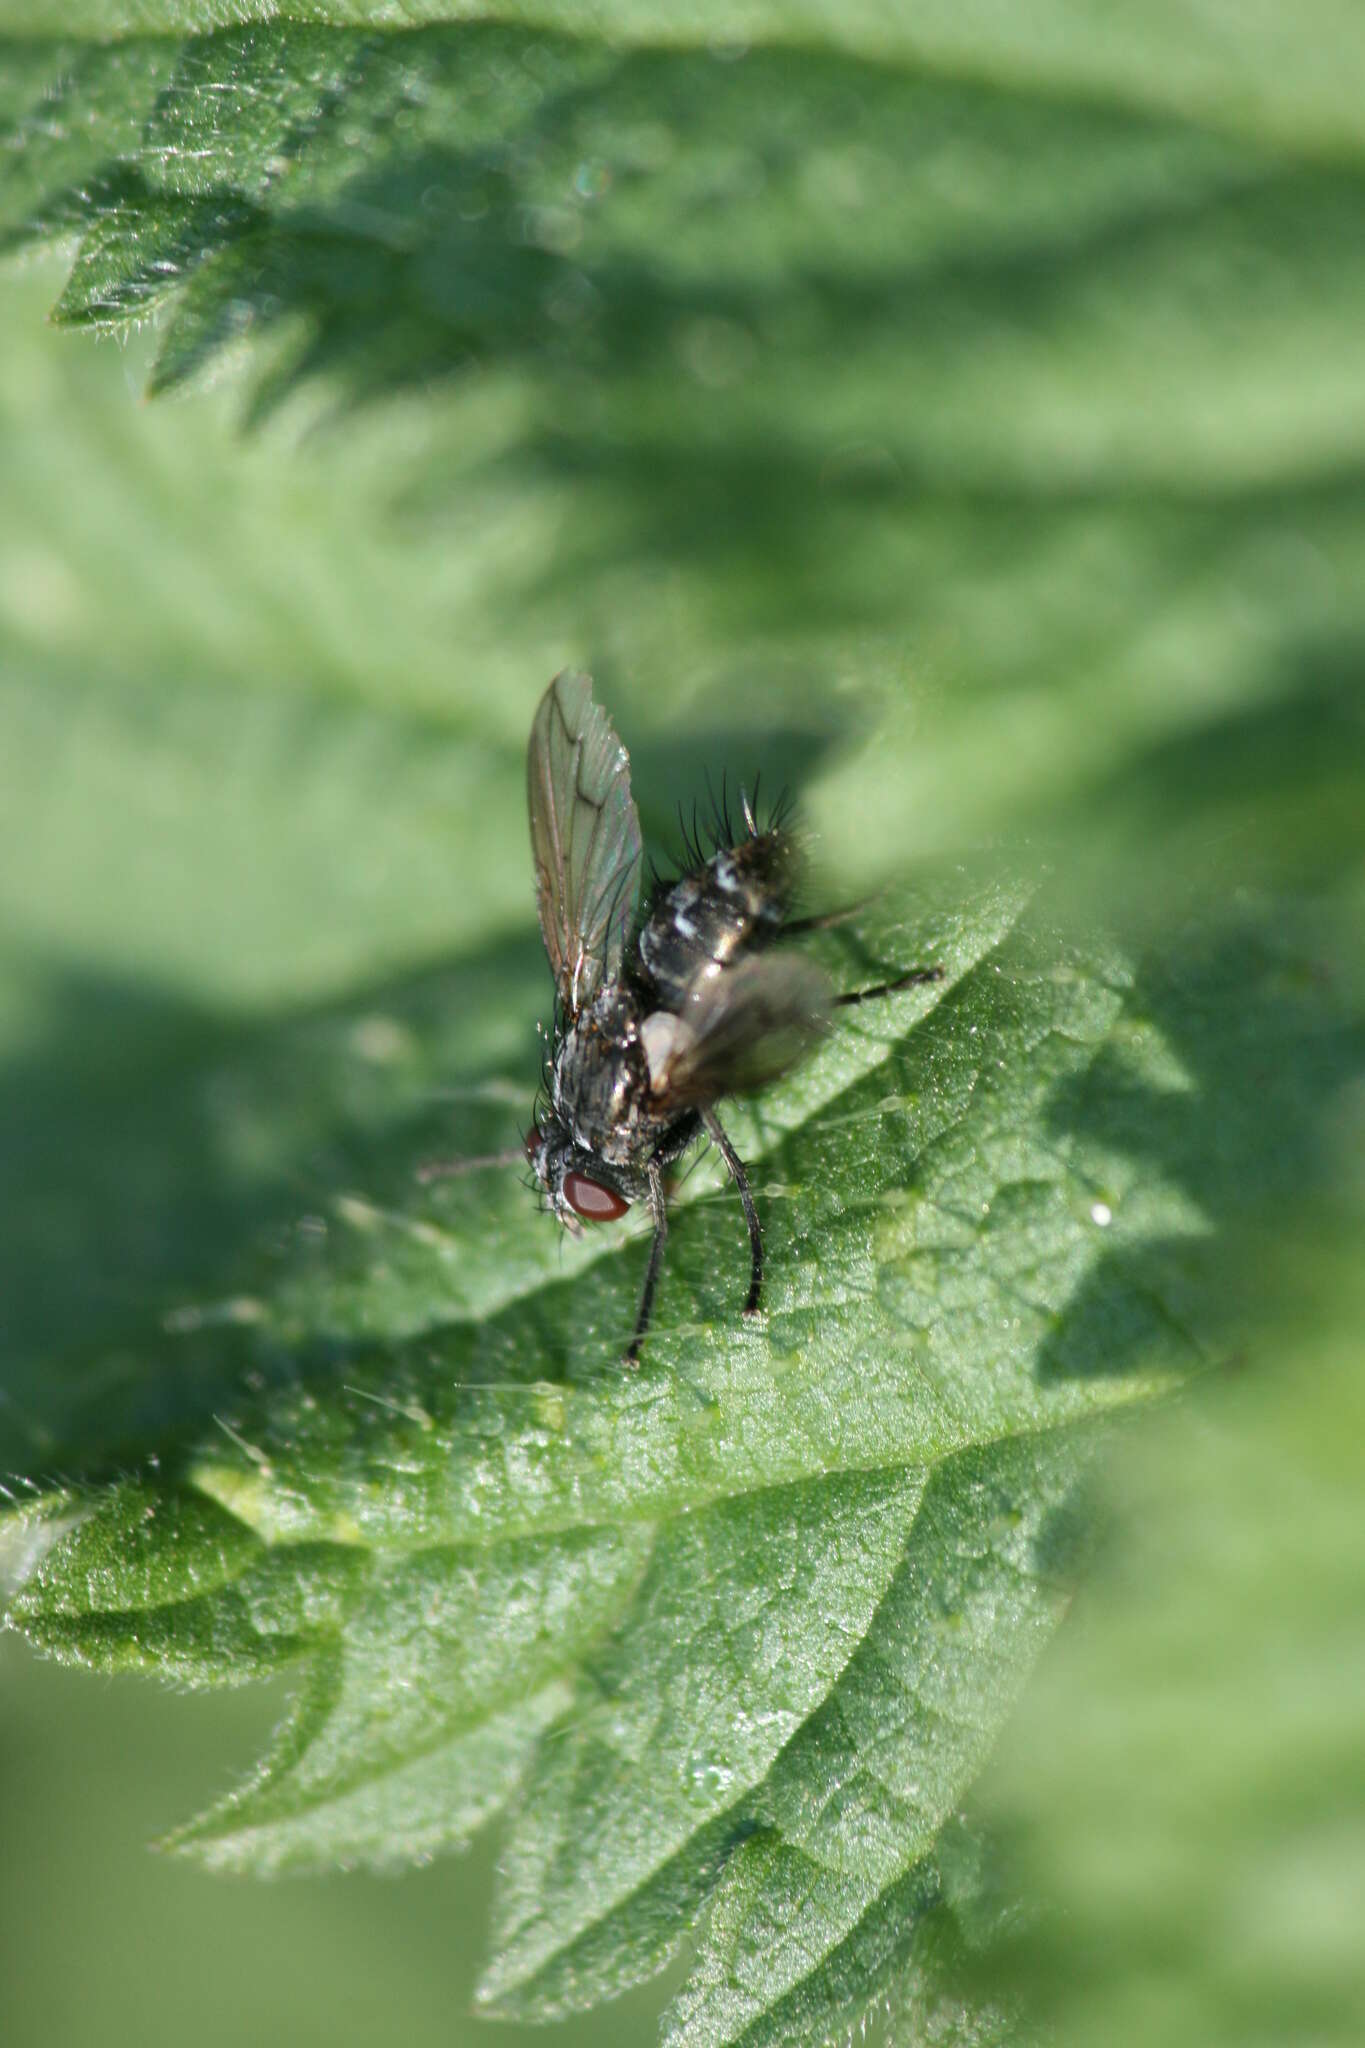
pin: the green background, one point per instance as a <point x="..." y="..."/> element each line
<point x="976" y="439"/>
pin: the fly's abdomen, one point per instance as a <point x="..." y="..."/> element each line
<point x="737" y="903"/>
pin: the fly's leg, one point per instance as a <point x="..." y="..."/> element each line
<point x="827" y="920"/>
<point x="448" y="1169"/>
<point x="912" y="978"/>
<point x="716" y="1134"/>
<point x="659" y="1212"/>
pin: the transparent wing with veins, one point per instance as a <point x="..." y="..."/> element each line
<point x="585" y="838"/>
<point x="741" y="1029"/>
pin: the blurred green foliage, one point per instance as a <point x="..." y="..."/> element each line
<point x="960" y="421"/>
<point x="1182" y="1799"/>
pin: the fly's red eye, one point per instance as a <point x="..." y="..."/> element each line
<point x="534" y="1141"/>
<point x="590" y="1200"/>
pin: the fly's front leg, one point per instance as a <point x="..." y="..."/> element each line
<point x="659" y="1212"/>
<point x="716" y="1134"/>
<point x="449" y="1169"/>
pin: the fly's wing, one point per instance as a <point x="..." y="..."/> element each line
<point x="743" y="1028"/>
<point x="585" y="838"/>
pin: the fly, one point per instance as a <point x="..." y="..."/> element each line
<point x="659" y="1015"/>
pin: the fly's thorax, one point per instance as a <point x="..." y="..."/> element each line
<point x="737" y="902"/>
<point x="600" y="1083"/>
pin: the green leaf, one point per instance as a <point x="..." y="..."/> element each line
<point x="1293" y="80"/>
<point x="1090" y="441"/>
<point x="853" y="1809"/>
<point x="956" y="420"/>
<point x="1181" y="1804"/>
<point x="168" y="1582"/>
<point x="736" y="1632"/>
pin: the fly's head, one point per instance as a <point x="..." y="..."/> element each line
<point x="578" y="1186"/>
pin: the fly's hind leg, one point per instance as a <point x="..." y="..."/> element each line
<point x="716" y="1134"/>
<point x="913" y="977"/>
<point x="826" y="921"/>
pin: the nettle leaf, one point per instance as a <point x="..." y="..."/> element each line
<point x="1209" y="60"/>
<point x="731" y="1635"/>
<point x="398" y="207"/>
<point x="994" y="400"/>
<point x="978" y="453"/>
